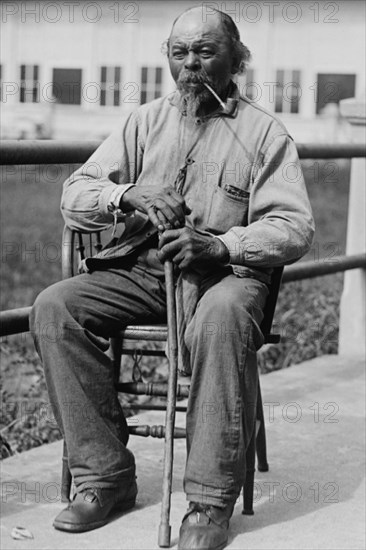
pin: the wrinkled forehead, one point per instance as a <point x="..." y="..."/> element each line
<point x="191" y="27"/>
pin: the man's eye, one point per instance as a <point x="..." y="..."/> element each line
<point x="207" y="53"/>
<point x="178" y="55"/>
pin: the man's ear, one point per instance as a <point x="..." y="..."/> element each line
<point x="165" y="47"/>
<point x="235" y="67"/>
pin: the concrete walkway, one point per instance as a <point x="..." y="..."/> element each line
<point x="313" y="497"/>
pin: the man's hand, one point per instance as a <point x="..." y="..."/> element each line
<point x="185" y="247"/>
<point x="164" y="206"/>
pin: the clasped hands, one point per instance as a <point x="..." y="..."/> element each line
<point x="167" y="211"/>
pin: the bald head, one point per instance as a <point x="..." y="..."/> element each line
<point x="194" y="18"/>
<point x="216" y="22"/>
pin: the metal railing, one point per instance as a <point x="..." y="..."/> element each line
<point x="77" y="152"/>
<point x="34" y="152"/>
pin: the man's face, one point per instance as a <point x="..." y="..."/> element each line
<point x="199" y="52"/>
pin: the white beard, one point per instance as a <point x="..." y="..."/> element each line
<point x="191" y="100"/>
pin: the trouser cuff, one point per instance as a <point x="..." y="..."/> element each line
<point x="212" y="499"/>
<point x="110" y="481"/>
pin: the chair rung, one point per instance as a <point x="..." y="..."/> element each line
<point x="157" y="333"/>
<point x="159" y="389"/>
<point x="155" y="431"/>
<point x="150" y="352"/>
<point x="138" y="407"/>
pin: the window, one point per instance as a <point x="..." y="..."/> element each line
<point x="288" y="91"/>
<point x="29" y="84"/>
<point x="66" y="86"/>
<point x="331" y="88"/>
<point x="110" y="80"/>
<point x="151" y="83"/>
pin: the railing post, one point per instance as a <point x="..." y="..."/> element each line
<point x="352" y="322"/>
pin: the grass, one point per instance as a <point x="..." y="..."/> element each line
<point x="306" y="316"/>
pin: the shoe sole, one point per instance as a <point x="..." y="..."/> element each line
<point x="220" y="547"/>
<point x="83" y="527"/>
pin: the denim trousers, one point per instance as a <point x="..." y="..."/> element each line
<point x="72" y="321"/>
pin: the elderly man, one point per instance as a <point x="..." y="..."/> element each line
<point x="219" y="180"/>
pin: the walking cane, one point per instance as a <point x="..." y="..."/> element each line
<point x="164" y="527"/>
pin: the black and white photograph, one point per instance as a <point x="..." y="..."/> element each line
<point x="183" y="274"/>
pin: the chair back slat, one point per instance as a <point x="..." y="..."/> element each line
<point x="98" y="242"/>
<point x="67" y="259"/>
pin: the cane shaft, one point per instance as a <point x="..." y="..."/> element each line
<point x="164" y="528"/>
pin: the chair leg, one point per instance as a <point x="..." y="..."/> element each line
<point x="66" y="477"/>
<point x="164" y="527"/>
<point x="116" y="356"/>
<point x="249" y="477"/>
<point x="261" y="446"/>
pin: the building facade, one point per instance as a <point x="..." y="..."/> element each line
<point x="72" y="70"/>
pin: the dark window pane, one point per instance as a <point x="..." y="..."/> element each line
<point x="116" y="97"/>
<point x="117" y="74"/>
<point x="22" y="72"/>
<point x="294" y="92"/>
<point x="67" y="86"/>
<point x="103" y="74"/>
<point x="158" y="75"/>
<point x="143" y="97"/>
<point x="144" y="75"/>
<point x="296" y="77"/>
<point x="35" y="72"/>
<point x="334" y="87"/>
<point x="294" y="107"/>
<point x="280" y="77"/>
<point x="22" y="95"/>
<point x="278" y="100"/>
<point x="34" y="95"/>
<point x="278" y="105"/>
<point x="102" y="97"/>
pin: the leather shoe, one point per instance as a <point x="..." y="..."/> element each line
<point x="205" y="527"/>
<point x="92" y="507"/>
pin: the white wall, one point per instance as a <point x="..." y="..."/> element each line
<point x="314" y="37"/>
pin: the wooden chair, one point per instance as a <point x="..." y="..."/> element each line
<point x="73" y="251"/>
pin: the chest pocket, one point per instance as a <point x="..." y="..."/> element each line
<point x="229" y="208"/>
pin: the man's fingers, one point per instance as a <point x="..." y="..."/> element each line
<point x="168" y="236"/>
<point x="164" y="206"/>
<point x="181" y="259"/>
<point x="155" y="218"/>
<point x="169" y="249"/>
<point x="177" y="204"/>
<point x="172" y="210"/>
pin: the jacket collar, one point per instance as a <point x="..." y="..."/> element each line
<point x="231" y="102"/>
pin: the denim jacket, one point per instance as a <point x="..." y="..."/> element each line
<point x="243" y="181"/>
